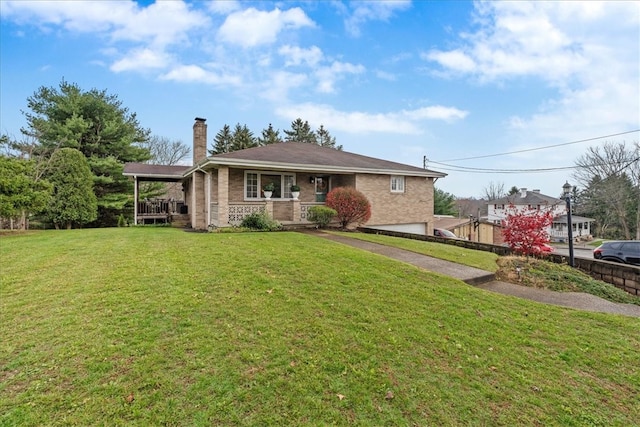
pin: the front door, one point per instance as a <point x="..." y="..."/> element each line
<point x="322" y="188"/>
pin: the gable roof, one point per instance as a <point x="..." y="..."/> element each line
<point x="310" y="157"/>
<point x="531" y="198"/>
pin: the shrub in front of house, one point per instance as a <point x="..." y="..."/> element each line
<point x="260" y="221"/>
<point x="351" y="206"/>
<point x="321" y="216"/>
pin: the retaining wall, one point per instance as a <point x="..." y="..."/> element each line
<point x="623" y="276"/>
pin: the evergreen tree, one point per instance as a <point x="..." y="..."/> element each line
<point x="513" y="190"/>
<point x="96" y="124"/>
<point x="73" y="201"/>
<point x="222" y="142"/>
<point x="269" y="136"/>
<point x="300" y="132"/>
<point x="324" y="139"/>
<point x="242" y="138"/>
<point x="443" y="203"/>
<point x="21" y="192"/>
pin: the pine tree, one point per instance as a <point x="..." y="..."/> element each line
<point x="269" y="136"/>
<point x="222" y="141"/>
<point x="324" y="139"/>
<point x="242" y="138"/>
<point x="95" y="123"/>
<point x="73" y="201"/>
<point x="300" y="132"/>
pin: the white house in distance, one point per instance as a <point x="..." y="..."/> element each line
<point x="526" y="200"/>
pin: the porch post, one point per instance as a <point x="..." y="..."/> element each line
<point x="223" y="196"/>
<point x="135" y="200"/>
<point x="297" y="212"/>
<point x="208" y="200"/>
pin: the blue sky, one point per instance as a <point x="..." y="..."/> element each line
<point x="396" y="80"/>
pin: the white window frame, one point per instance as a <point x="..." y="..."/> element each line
<point x="286" y="180"/>
<point x="396" y="184"/>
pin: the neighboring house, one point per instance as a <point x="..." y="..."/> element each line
<point x="223" y="189"/>
<point x="471" y="229"/>
<point x="527" y="200"/>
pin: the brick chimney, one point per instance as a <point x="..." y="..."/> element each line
<point x="523" y="192"/>
<point x="199" y="140"/>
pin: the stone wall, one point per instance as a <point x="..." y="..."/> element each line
<point x="623" y="276"/>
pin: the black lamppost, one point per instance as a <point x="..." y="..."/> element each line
<point x="566" y="190"/>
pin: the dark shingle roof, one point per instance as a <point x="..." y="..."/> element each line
<point x="144" y="170"/>
<point x="531" y="198"/>
<point x="287" y="154"/>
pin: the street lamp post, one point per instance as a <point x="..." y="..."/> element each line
<point x="566" y="189"/>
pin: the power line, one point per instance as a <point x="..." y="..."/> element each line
<point x="540" y="148"/>
<point x="455" y="168"/>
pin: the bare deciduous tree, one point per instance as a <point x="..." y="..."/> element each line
<point x="610" y="174"/>
<point x="165" y="151"/>
<point x="493" y="191"/>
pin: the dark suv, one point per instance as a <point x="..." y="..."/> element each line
<point x="626" y="251"/>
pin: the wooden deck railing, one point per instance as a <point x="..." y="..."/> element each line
<point x="156" y="208"/>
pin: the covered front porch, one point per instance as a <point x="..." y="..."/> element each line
<point x="158" y="210"/>
<point x="288" y="213"/>
<point x="581" y="228"/>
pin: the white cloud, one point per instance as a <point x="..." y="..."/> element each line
<point x="543" y="39"/>
<point x="223" y="7"/>
<point x="364" y="11"/>
<point x="276" y="88"/>
<point x="252" y="27"/>
<point x="588" y="52"/>
<point x="454" y="60"/>
<point x="328" y="76"/>
<point x="197" y="74"/>
<point x="161" y="23"/>
<point x="141" y="59"/>
<point x="298" y="56"/>
<point x="405" y="122"/>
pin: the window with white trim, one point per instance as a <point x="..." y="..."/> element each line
<point x="255" y="180"/>
<point x="251" y="185"/>
<point x="397" y="184"/>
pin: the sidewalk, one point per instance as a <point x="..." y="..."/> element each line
<point x="486" y="280"/>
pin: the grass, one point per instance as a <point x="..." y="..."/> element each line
<point x="287" y="329"/>
<point x="539" y="273"/>
<point x="479" y="259"/>
<point x="534" y="272"/>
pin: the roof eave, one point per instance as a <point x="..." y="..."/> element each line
<point x="151" y="175"/>
<point x="298" y="167"/>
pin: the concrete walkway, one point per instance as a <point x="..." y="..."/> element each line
<point x="486" y="280"/>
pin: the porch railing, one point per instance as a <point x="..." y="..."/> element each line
<point x="239" y="211"/>
<point x="158" y="207"/>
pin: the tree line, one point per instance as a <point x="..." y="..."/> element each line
<point x="227" y="140"/>
<point x="68" y="165"/>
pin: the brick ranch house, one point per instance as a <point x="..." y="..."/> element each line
<point x="220" y="190"/>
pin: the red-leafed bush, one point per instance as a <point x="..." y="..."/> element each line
<point x="351" y="205"/>
<point x="525" y="231"/>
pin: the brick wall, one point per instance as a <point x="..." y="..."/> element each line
<point x="415" y="205"/>
<point x="199" y="140"/>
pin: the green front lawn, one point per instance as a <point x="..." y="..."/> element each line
<point x="479" y="259"/>
<point x="155" y="326"/>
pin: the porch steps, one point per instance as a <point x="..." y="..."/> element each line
<point x="180" y="220"/>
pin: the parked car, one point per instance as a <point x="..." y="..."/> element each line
<point x="624" y="251"/>
<point x="441" y="232"/>
<point x="542" y="248"/>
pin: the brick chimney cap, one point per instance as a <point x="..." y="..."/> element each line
<point x="200" y="119"/>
